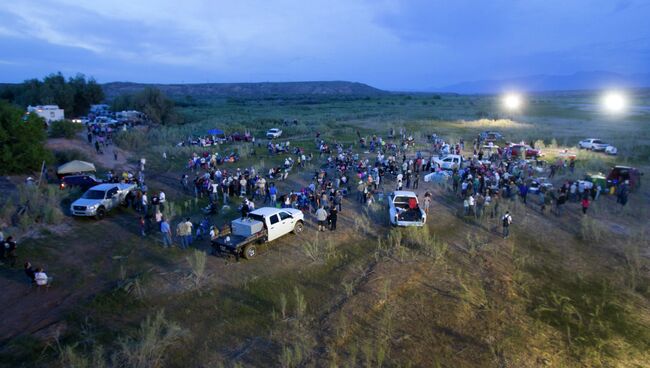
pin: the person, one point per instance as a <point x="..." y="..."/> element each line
<point x="145" y="202"/>
<point x="30" y="272"/>
<point x="142" y="227"/>
<point x="427" y="202"/>
<point x="361" y="197"/>
<point x="338" y="200"/>
<point x="115" y="154"/>
<point x="321" y="217"/>
<point x="40" y="277"/>
<point x="472" y="203"/>
<point x="184" y="231"/>
<point x="507" y="220"/>
<point x="585" y="205"/>
<point x="244" y="208"/>
<point x="214" y="233"/>
<point x="10" y="250"/>
<point x="161" y="200"/>
<point x="333" y="218"/>
<point x="623" y="192"/>
<point x="273" y="193"/>
<point x="166" y="232"/>
<point x="416" y="181"/>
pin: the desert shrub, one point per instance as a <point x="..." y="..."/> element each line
<point x="39" y="205"/>
<point x="132" y="140"/>
<point x="428" y="244"/>
<point x="590" y="230"/>
<point x="197" y="260"/>
<point x="64" y="129"/>
<point x="591" y="315"/>
<point x="69" y="357"/>
<point x="148" y="348"/>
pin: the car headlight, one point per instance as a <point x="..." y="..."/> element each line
<point x="92" y="207"/>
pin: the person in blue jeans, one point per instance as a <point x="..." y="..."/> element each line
<point x="166" y="231"/>
<point x="273" y="193"/>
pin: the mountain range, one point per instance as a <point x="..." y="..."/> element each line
<point x="262" y="89"/>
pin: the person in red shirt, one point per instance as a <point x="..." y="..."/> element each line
<point x="585" y="205"/>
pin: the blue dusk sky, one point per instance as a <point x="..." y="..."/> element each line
<point x="414" y="44"/>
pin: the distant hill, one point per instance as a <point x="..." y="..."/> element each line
<point x="542" y="83"/>
<point x="263" y="89"/>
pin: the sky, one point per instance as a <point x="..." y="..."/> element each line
<point x="389" y="44"/>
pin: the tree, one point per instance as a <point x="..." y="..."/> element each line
<point x="22" y="141"/>
<point x="153" y="102"/>
<point x="74" y="95"/>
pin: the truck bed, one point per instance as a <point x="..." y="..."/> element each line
<point x="235" y="243"/>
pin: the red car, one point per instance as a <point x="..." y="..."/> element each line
<point x="238" y="137"/>
<point x="620" y="174"/>
<point x="518" y="149"/>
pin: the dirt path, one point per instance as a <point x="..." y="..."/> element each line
<point x="106" y="160"/>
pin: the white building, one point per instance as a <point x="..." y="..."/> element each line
<point x="48" y="112"/>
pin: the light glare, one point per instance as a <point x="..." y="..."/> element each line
<point x="614" y="102"/>
<point x="512" y="101"/>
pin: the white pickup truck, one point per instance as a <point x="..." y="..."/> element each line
<point x="404" y="209"/>
<point x="260" y="226"/>
<point x="449" y="162"/>
<point x="100" y="199"/>
<point x="273" y="133"/>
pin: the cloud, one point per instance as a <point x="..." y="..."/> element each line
<point x="387" y="43"/>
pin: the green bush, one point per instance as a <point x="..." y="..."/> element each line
<point x="22" y="141"/>
<point x="64" y="129"/>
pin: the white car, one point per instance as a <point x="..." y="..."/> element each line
<point x="404" y="209"/>
<point x="593" y="144"/>
<point x="449" y="162"/>
<point x="273" y="133"/>
<point x="100" y="199"/>
<point x="611" y="150"/>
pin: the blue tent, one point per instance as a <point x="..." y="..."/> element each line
<point x="215" y="132"/>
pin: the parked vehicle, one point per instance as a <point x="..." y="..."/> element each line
<point x="273" y="133"/>
<point x="239" y="137"/>
<point x="449" y="162"/>
<point x="611" y="150"/>
<point x="620" y="174"/>
<point x="260" y="226"/>
<point x="489" y="136"/>
<point x="404" y="209"/>
<point x="597" y="179"/>
<point x="81" y="181"/>
<point x="518" y="150"/>
<point x="100" y="199"/>
<point x="593" y="144"/>
<point x="540" y="184"/>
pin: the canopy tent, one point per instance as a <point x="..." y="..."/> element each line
<point x="75" y="166"/>
<point x="215" y="132"/>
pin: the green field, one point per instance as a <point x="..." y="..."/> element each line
<point x="568" y="291"/>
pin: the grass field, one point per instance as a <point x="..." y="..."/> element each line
<point x="560" y="292"/>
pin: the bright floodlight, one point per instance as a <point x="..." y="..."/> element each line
<point x="614" y="102"/>
<point x="512" y="101"/>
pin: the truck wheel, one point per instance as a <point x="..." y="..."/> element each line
<point x="250" y="251"/>
<point x="298" y="227"/>
<point x="101" y="212"/>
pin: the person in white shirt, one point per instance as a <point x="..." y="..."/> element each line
<point x="161" y="200"/>
<point x="40" y="277"/>
<point x="145" y="202"/>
